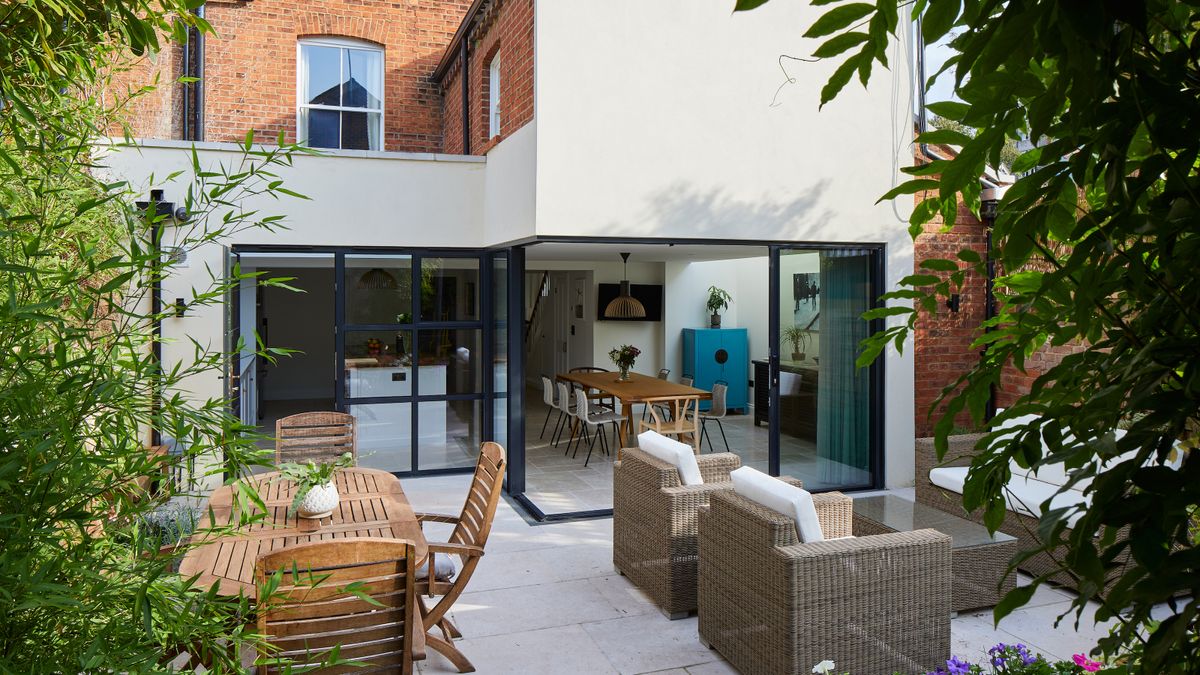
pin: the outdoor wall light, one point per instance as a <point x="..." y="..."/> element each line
<point x="625" y="306"/>
<point x="954" y="302"/>
<point x="180" y="307"/>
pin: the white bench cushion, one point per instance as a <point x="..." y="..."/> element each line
<point x="1024" y="495"/>
<point x="679" y="455"/>
<point x="780" y="497"/>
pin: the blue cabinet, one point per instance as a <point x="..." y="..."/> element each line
<point x="712" y="354"/>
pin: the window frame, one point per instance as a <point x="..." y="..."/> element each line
<point x="340" y="43"/>
<point x="494" y="106"/>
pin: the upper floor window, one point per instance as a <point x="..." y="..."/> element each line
<point x="340" y="85"/>
<point x="494" y="97"/>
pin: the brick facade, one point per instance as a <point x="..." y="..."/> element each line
<point x="943" y="342"/>
<point x="250" y="65"/>
<point x="148" y="94"/>
<point x="504" y="29"/>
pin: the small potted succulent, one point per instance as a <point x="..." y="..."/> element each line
<point x="718" y="300"/>
<point x="316" y="495"/>
<point x="798" y="337"/>
<point x="623" y="357"/>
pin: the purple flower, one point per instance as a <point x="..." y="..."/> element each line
<point x="956" y="667"/>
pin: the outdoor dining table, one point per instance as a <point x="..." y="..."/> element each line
<point x="638" y="389"/>
<point x="371" y="504"/>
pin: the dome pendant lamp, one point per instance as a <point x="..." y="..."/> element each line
<point x="625" y="306"/>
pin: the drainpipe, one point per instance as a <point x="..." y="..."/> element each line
<point x="990" y="200"/>
<point x="155" y="210"/>
<point x="193" y="92"/>
<point x="466" y="108"/>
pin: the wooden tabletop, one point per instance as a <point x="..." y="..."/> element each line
<point x="371" y="504"/>
<point x="639" y="387"/>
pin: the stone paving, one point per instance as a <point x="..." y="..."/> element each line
<point x="546" y="599"/>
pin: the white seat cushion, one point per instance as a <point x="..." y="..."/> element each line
<point x="1024" y="495"/>
<point x="679" y="455"/>
<point x="443" y="568"/>
<point x="781" y="497"/>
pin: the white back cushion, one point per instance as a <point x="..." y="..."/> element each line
<point x="778" y="496"/>
<point x="671" y="451"/>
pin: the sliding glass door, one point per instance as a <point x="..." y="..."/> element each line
<point x="826" y="417"/>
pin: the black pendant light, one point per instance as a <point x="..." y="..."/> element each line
<point x="625" y="306"/>
<point x="377" y="279"/>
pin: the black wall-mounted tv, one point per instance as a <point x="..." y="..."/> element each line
<point x="650" y="295"/>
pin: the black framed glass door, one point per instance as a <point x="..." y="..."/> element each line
<point x="825" y="412"/>
<point x="414" y="357"/>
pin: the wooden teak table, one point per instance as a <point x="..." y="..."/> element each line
<point x="638" y="389"/>
<point x="371" y="504"/>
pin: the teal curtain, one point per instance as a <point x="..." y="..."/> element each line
<point x="843" y="391"/>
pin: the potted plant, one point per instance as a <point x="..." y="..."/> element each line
<point x="316" y="495"/>
<point x="798" y="337"/>
<point x="623" y="357"/>
<point x="718" y="300"/>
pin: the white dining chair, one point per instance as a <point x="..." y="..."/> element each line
<point x="588" y="421"/>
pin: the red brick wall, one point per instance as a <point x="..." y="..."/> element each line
<point x="250" y="65"/>
<point x="158" y="111"/>
<point x="943" y="341"/>
<point x="505" y="29"/>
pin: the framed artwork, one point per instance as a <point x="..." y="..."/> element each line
<point x="806" y="294"/>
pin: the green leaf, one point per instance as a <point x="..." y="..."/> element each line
<point x="951" y="110"/>
<point x="838" y="80"/>
<point x="944" y="137"/>
<point x="1015" y="598"/>
<point x="839" y="43"/>
<point x="938" y="19"/>
<point x="909" y="188"/>
<point x="745" y="5"/>
<point x="838" y="18"/>
<point x="939" y="265"/>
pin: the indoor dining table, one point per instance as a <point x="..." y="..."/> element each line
<point x="638" y="389"/>
<point x="371" y="503"/>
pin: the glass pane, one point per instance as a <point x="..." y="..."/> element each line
<point x="319" y="128"/>
<point x="500" y="324"/>
<point x="378" y="289"/>
<point x="360" y="131"/>
<point x="500" y="422"/>
<point x="449" y="361"/>
<point x="450" y="289"/>
<point x="378" y="363"/>
<point x="320" y="75"/>
<point x="448" y="433"/>
<point x="824" y="400"/>
<point x="384" y="435"/>
<point x="364" y="78"/>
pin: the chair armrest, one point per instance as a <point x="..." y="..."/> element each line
<point x="463" y="550"/>
<point x="437" y="518"/>
<point x="416" y="635"/>
<point x="835" y="512"/>
<point x="647" y="469"/>
<point x="960" y="450"/>
<point x="716" y="466"/>
<point x="931" y="549"/>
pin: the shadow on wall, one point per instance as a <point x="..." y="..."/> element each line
<point x="681" y="210"/>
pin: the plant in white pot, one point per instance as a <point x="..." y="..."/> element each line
<point x="316" y="495"/>
<point x="718" y="299"/>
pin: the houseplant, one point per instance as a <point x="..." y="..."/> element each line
<point x="316" y="495"/>
<point x="623" y="357"/>
<point x="718" y="300"/>
<point x="798" y="337"/>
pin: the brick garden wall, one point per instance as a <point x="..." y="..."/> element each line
<point x="505" y="29"/>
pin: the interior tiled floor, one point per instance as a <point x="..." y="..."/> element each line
<point x="558" y="482"/>
<point x="546" y="599"/>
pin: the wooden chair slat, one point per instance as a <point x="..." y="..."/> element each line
<point x="315" y="436"/>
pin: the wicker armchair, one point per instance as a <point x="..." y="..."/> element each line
<point x="654" y="524"/>
<point x="770" y="604"/>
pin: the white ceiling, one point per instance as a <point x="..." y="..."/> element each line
<point x="641" y="252"/>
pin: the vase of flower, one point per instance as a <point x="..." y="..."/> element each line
<point x="624" y="358"/>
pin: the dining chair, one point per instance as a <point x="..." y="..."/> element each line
<point x="715" y="413"/>
<point x="439" y="576"/>
<point x="598" y="420"/>
<point x="566" y="417"/>
<point x="314" y="597"/>
<point x="548" y="399"/>
<point x="682" y="420"/>
<point x="663" y="374"/>
<point x="316" y="437"/>
<point x="598" y="396"/>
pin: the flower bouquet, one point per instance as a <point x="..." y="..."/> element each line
<point x="623" y="357"/>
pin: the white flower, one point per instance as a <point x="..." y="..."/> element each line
<point x="823" y="667"/>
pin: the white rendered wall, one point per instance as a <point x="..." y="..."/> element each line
<point x="668" y="119"/>
<point x="508" y="197"/>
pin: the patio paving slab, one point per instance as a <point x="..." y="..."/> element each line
<point x="546" y="599"/>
